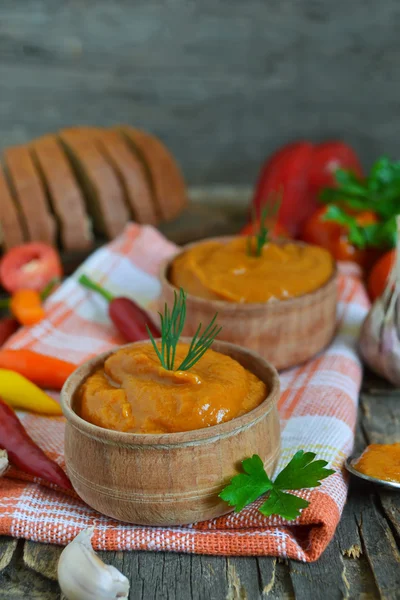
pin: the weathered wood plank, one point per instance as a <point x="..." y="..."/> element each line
<point x="224" y="83"/>
<point x="18" y="582"/>
<point x="7" y="549"/>
<point x="42" y="558"/>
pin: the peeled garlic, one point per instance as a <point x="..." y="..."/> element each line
<point x="83" y="576"/>
<point x="3" y="462"/>
<point x="379" y="342"/>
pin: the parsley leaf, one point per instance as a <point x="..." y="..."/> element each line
<point x="301" y="472"/>
<point x="244" y="489"/>
<point x="285" y="505"/>
<point x="379" y="192"/>
<point x="375" y="235"/>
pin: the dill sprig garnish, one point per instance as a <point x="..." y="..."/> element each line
<point x="172" y="323"/>
<point x="260" y="235"/>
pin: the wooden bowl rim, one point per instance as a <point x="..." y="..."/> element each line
<point x="224" y="305"/>
<point x="169" y="440"/>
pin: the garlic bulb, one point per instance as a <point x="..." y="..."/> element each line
<point x="3" y="462"/>
<point x="83" y="576"/>
<point x="379" y="342"/>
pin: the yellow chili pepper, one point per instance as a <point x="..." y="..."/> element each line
<point x="19" y="392"/>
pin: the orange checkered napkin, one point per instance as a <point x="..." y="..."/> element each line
<point x="318" y="410"/>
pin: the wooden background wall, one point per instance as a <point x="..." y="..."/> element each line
<point x="223" y="82"/>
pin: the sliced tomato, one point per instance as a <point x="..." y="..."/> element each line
<point x="30" y="266"/>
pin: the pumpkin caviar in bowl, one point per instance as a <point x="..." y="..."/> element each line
<point x="132" y="392"/>
<point x="276" y="298"/>
<point x="156" y="429"/>
<point x="224" y="270"/>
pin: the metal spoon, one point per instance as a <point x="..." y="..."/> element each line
<point x="349" y="466"/>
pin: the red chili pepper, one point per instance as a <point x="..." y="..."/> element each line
<point x="127" y="316"/>
<point x="299" y="171"/>
<point x="8" y="326"/>
<point x="24" y="454"/>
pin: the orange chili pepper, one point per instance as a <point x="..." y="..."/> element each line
<point x="26" y="306"/>
<point x="45" y="371"/>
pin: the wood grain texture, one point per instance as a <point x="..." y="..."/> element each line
<point x="285" y="333"/>
<point x="114" y="471"/>
<point x="222" y="83"/>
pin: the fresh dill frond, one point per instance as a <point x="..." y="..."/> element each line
<point x="172" y="323"/>
<point x="257" y="240"/>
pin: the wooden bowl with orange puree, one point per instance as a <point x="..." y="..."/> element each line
<point x="155" y="447"/>
<point x="281" y="304"/>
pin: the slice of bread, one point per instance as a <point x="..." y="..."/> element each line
<point x="65" y="194"/>
<point x="12" y="226"/>
<point x="30" y="195"/>
<point x="103" y="191"/>
<point x="167" y="181"/>
<point x="132" y="174"/>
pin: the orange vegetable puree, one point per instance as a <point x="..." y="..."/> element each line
<point x="382" y="461"/>
<point x="224" y="271"/>
<point x="132" y="392"/>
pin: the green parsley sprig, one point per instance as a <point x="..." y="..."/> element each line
<point x="375" y="235"/>
<point x="172" y="323"/>
<point x="378" y="192"/>
<point x="300" y="473"/>
<point x="257" y="240"/>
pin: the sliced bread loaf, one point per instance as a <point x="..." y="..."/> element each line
<point x="103" y="191"/>
<point x="30" y="195"/>
<point x="64" y="192"/>
<point x="12" y="227"/>
<point x="166" y="177"/>
<point x="132" y="174"/>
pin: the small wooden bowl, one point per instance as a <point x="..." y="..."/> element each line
<point x="168" y="479"/>
<point x="284" y="332"/>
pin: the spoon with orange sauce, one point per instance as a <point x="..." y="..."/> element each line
<point x="379" y="463"/>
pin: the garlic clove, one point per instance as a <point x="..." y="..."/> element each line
<point x="83" y="576"/>
<point x="4" y="464"/>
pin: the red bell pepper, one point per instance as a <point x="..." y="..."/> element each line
<point x="299" y="171"/>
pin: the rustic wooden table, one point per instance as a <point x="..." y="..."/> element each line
<point x="362" y="561"/>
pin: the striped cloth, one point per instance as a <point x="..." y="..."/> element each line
<point x="318" y="408"/>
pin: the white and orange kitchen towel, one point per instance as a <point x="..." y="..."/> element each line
<point x="318" y="408"/>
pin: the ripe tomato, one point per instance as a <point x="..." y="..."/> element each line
<point x="29" y="266"/>
<point x="379" y="274"/>
<point x="333" y="237"/>
<point x="278" y="230"/>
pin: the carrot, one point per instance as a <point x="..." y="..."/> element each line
<point x="45" y="371"/>
<point x="26" y="306"/>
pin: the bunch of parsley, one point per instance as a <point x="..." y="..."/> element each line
<point x="379" y="192"/>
